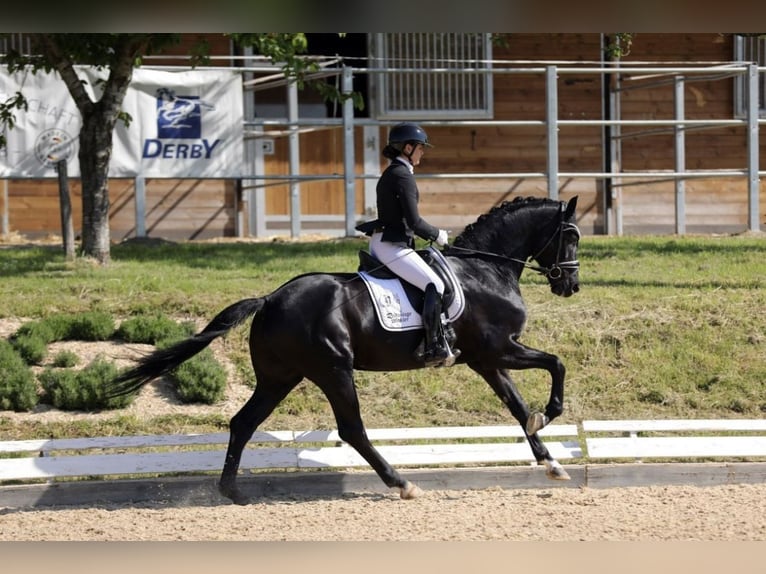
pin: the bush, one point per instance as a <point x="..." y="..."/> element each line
<point x="59" y="326"/>
<point x="90" y="326"/>
<point x="32" y="339"/>
<point x="201" y="379"/>
<point x="152" y="329"/>
<point x="65" y="359"/>
<point x="31" y="348"/>
<point x="18" y="391"/>
<point x="43" y="330"/>
<point x="68" y="389"/>
<point x="60" y="386"/>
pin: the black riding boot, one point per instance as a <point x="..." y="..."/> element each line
<point x="436" y="349"/>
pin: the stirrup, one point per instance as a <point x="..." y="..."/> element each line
<point x="442" y="360"/>
<point x="451" y="358"/>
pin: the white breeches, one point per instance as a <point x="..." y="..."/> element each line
<point x="405" y="262"/>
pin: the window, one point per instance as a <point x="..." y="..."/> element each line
<point x="448" y="91"/>
<point x="749" y="49"/>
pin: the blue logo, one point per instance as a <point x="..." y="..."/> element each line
<point x="179" y="118"/>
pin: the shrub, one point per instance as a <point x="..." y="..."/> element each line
<point x="59" y="326"/>
<point x="90" y="326"/>
<point x="201" y="379"/>
<point x="31" y="341"/>
<point x="31" y="348"/>
<point x="68" y="389"/>
<point x="60" y="386"/>
<point x="152" y="329"/>
<point x="43" y="330"/>
<point x="18" y="391"/>
<point x="65" y="359"/>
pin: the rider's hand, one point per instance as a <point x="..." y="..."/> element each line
<point x="442" y="238"/>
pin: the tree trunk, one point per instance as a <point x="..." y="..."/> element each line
<point x="94" y="154"/>
<point x="67" y="228"/>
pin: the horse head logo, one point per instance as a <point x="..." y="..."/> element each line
<point x="179" y="116"/>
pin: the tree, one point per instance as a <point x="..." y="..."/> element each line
<point x="120" y="54"/>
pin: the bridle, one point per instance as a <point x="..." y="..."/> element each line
<point x="556" y="270"/>
<point x="553" y="272"/>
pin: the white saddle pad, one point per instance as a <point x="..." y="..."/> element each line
<point x="394" y="310"/>
<point x="393" y="307"/>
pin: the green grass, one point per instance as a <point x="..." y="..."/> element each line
<point x="662" y="327"/>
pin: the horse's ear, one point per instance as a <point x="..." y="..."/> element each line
<point x="571" y="206"/>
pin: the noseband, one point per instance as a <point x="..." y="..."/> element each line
<point x="556" y="270"/>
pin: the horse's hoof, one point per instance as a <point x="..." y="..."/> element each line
<point x="410" y="491"/>
<point x="235" y="495"/>
<point x="556" y="472"/>
<point x="535" y="422"/>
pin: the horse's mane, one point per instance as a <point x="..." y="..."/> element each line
<point x="489" y="223"/>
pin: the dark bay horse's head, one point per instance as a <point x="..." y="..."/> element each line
<point x="558" y="255"/>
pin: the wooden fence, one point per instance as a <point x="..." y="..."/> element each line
<point x="591" y="441"/>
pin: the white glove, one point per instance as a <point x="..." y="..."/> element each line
<point x="442" y="238"/>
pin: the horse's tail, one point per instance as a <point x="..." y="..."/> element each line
<point x="162" y="361"/>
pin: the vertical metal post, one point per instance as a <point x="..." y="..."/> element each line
<point x="753" y="207"/>
<point x="295" y="160"/>
<point x="615" y="155"/>
<point x="257" y="193"/>
<point x="371" y="135"/>
<point x="254" y="192"/>
<point x="140" y="201"/>
<point x="606" y="136"/>
<point x="551" y="118"/>
<point x="349" y="160"/>
<point x="679" y="133"/>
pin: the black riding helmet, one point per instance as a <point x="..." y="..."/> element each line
<point x="407" y="132"/>
<point x="402" y="134"/>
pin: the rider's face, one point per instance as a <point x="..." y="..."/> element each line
<point x="417" y="154"/>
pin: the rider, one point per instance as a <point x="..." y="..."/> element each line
<point x="392" y="234"/>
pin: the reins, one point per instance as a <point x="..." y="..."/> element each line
<point x="553" y="272"/>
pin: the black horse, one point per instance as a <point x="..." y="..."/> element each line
<point x="322" y="326"/>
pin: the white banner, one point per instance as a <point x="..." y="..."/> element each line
<point x="184" y="124"/>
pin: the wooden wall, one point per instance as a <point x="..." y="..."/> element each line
<point x="321" y="153"/>
<point x="711" y="204"/>
<point x="647" y="205"/>
<point x="521" y="149"/>
<point x="175" y="209"/>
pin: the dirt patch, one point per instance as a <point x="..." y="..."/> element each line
<point x="722" y="513"/>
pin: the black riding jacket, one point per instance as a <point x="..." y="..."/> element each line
<point x="397" y="202"/>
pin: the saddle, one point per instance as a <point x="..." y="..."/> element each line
<point x="373" y="269"/>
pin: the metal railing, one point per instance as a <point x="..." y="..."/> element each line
<point x="614" y="180"/>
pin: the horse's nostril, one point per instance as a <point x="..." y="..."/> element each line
<point x="575" y="288"/>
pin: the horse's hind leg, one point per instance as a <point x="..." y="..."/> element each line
<point x="504" y="387"/>
<point x="267" y="395"/>
<point x="340" y="391"/>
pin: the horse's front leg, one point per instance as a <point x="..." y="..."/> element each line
<point x="504" y="387"/>
<point x="521" y="357"/>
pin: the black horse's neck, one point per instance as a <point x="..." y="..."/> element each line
<point x="515" y="229"/>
